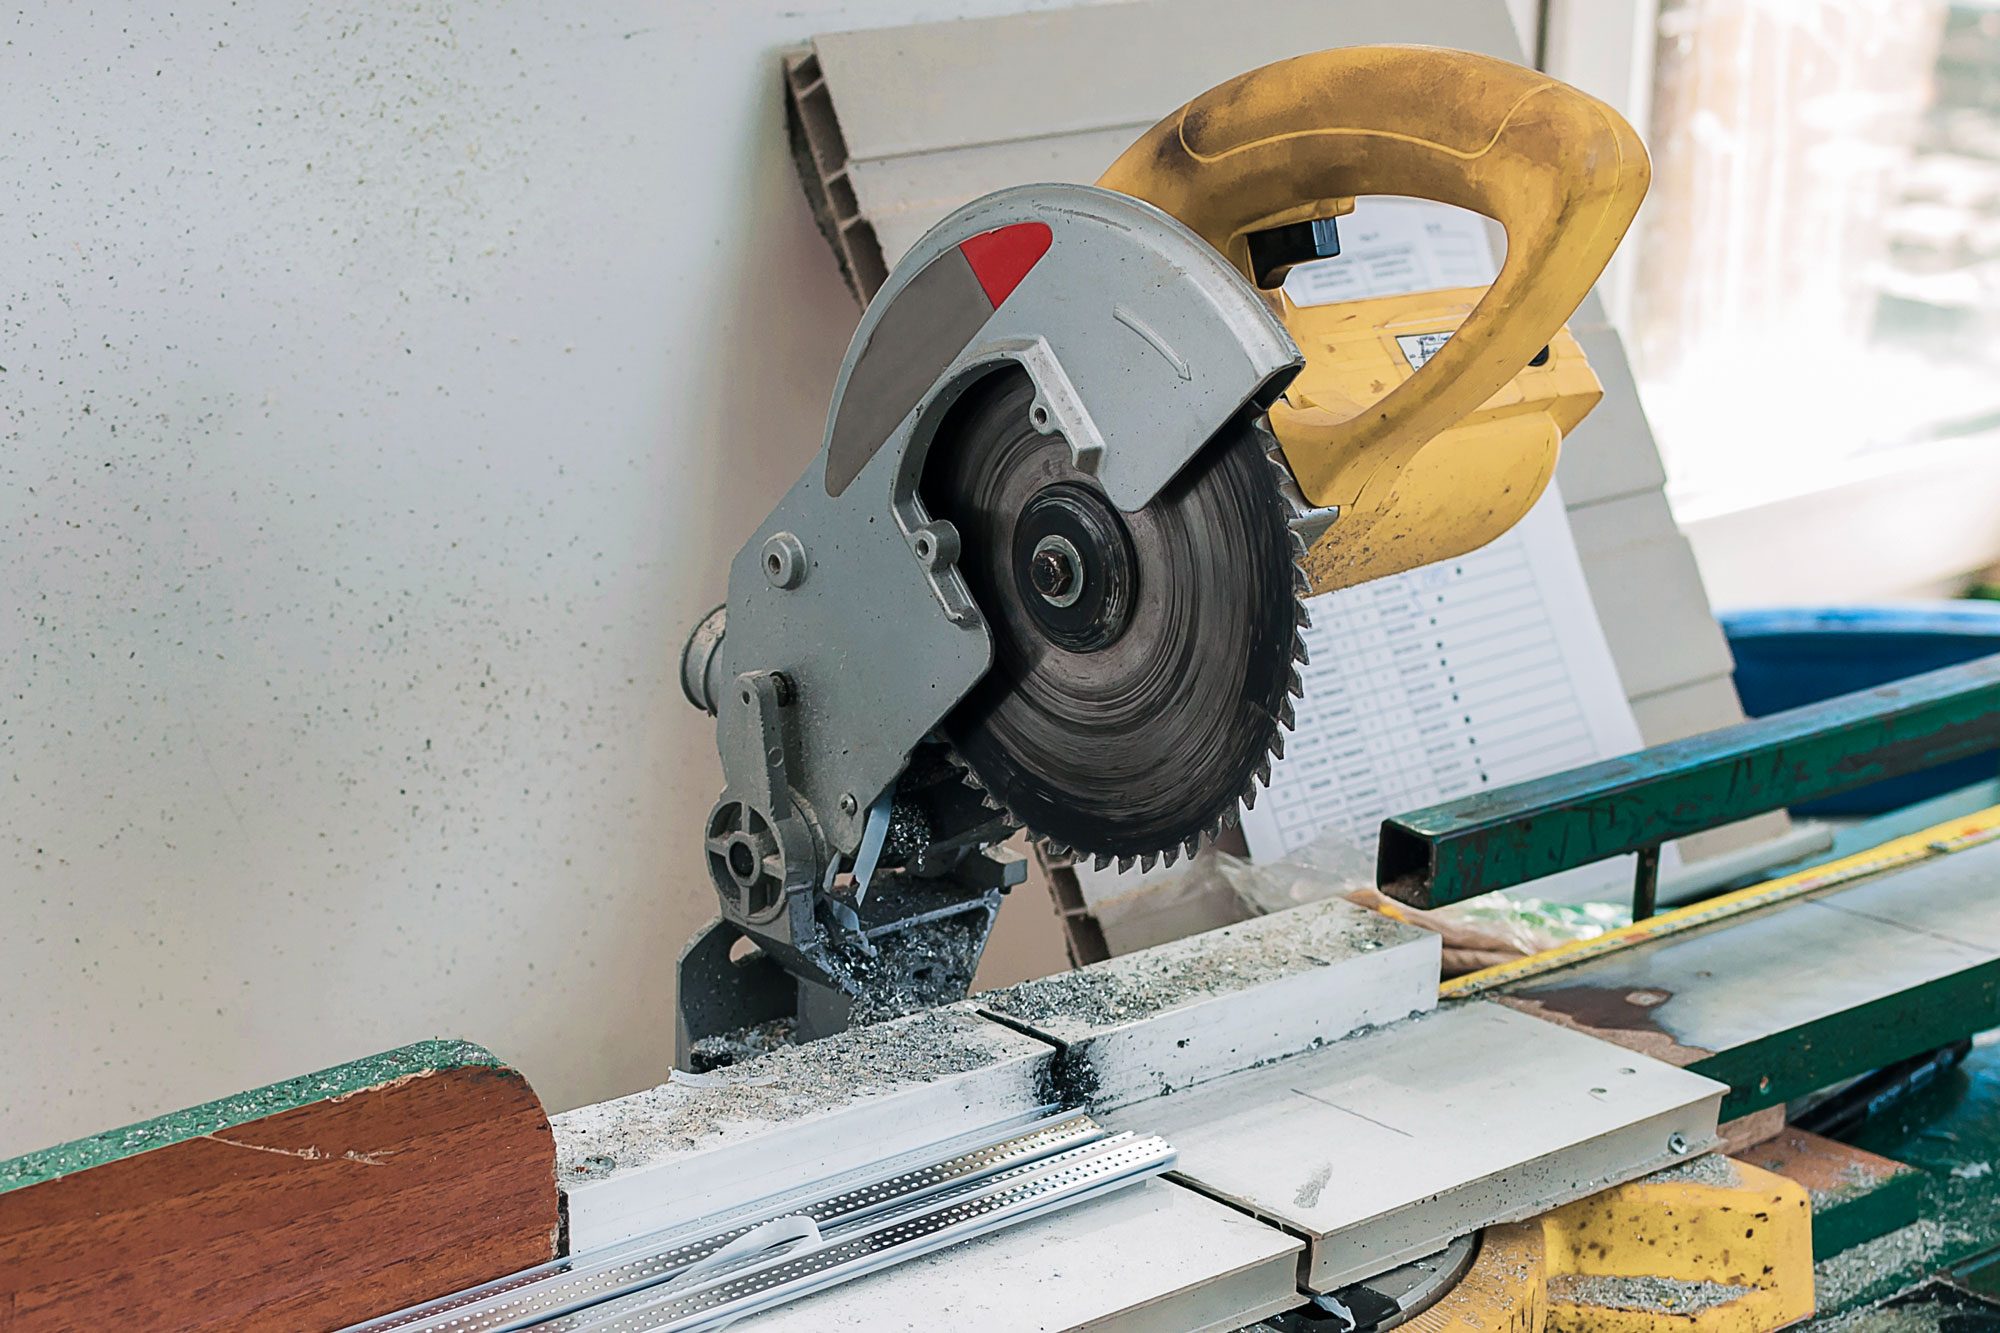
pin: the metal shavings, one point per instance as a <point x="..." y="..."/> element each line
<point x="1713" y="1169"/>
<point x="1645" y="1294"/>
<point x="733" y="1048"/>
<point x="909" y="832"/>
<point x="920" y="967"/>
<point x="1216" y="962"/>
<point x="917" y="968"/>
<point x="595" y="1141"/>
<point x="1886" y="1260"/>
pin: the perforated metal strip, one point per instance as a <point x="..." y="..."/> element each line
<point x="527" y="1298"/>
<point x="988" y="1206"/>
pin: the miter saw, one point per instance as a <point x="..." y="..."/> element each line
<point x="1083" y="462"/>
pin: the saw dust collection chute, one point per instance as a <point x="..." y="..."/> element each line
<point x="1083" y="461"/>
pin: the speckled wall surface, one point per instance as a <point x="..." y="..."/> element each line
<point x="383" y="389"/>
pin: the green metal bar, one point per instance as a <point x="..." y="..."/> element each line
<point x="1495" y="840"/>
<point x="1783" y="1065"/>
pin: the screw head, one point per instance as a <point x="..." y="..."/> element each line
<point x="1051" y="574"/>
<point x="784" y="560"/>
<point x="848" y="805"/>
<point x="1055" y="570"/>
<point x="1677" y="1144"/>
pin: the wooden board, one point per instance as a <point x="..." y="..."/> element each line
<point x="308" y="1204"/>
<point x="1856" y="1195"/>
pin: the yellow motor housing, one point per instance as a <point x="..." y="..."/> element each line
<point x="1470" y="482"/>
<point x="1439" y="460"/>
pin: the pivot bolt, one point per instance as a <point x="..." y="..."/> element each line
<point x="1052" y="574"/>
<point x="1056" y="570"/>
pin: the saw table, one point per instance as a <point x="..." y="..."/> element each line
<point x="1540" y="1143"/>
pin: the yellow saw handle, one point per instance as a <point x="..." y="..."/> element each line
<point x="1298" y="140"/>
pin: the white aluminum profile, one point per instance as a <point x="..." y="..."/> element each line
<point x="1183" y="1013"/>
<point x="1388" y="1146"/>
<point x="703" y="1145"/>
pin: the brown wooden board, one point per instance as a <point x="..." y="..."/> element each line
<point x="309" y="1204"/>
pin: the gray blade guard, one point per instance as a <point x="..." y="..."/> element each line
<point x="850" y="633"/>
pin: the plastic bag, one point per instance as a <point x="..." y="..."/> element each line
<point x="1484" y="932"/>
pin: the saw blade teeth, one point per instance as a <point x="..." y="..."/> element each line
<point x="1276" y="502"/>
<point x="965" y="773"/>
<point x="1299" y="653"/>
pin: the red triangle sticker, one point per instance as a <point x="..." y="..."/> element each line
<point x="1002" y="257"/>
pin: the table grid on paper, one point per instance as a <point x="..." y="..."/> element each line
<point x="1426" y="686"/>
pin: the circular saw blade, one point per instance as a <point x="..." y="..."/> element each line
<point x="1144" y="662"/>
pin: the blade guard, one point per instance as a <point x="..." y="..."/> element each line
<point x="1142" y="344"/>
<point x="1298" y="140"/>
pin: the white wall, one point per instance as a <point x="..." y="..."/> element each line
<point x="384" y="393"/>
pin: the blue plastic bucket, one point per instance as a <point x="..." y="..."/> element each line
<point x="1800" y="655"/>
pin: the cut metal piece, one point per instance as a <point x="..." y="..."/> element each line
<point x="1182" y="1013"/>
<point x="1150" y="1257"/>
<point x="696" y="1147"/>
<point x="708" y="1299"/>
<point x="1142" y="660"/>
<point x="1383" y="1147"/>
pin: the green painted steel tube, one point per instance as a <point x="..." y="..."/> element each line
<point x="1497" y="839"/>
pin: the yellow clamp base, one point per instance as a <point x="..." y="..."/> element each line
<point x="1715" y="1245"/>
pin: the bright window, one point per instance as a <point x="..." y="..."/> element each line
<point x="1817" y="274"/>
